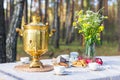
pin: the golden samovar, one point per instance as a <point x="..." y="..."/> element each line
<point x="35" y="40"/>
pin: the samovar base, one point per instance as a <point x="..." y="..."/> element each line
<point x="36" y="64"/>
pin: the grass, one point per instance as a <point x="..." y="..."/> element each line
<point x="107" y="49"/>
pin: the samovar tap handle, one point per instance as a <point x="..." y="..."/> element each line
<point x="19" y="31"/>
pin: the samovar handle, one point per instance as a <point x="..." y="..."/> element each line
<point x="52" y="31"/>
<point x="19" y="31"/>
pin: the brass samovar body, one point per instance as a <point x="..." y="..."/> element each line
<point x="35" y="40"/>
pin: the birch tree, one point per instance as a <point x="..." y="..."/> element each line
<point x="2" y="34"/>
<point x="11" y="40"/>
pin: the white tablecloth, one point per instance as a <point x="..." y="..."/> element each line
<point x="111" y="71"/>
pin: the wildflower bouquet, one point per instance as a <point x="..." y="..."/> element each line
<point x="89" y="24"/>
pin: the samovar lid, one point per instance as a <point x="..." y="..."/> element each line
<point x="35" y="23"/>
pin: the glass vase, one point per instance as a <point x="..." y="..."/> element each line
<point x="90" y="50"/>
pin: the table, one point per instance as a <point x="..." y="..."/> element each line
<point x="111" y="72"/>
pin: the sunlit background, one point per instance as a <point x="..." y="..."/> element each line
<point x="110" y="34"/>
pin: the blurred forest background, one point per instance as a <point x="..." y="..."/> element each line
<point x="59" y="14"/>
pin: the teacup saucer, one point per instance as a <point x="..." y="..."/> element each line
<point x="25" y="60"/>
<point x="98" y="69"/>
<point x="64" y="73"/>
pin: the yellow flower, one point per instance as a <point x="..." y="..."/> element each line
<point x="98" y="39"/>
<point x="101" y="28"/>
<point x="79" y="19"/>
<point x="98" y="36"/>
<point x="85" y="25"/>
<point x="74" y="24"/>
<point x="80" y="31"/>
<point x="80" y="12"/>
<point x="89" y="36"/>
<point x="106" y="17"/>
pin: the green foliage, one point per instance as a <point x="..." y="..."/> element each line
<point x="89" y="24"/>
<point x="107" y="49"/>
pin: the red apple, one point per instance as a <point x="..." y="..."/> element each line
<point x="99" y="61"/>
<point x="88" y="60"/>
<point x="80" y="58"/>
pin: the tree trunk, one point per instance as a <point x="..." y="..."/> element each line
<point x="46" y="7"/>
<point x="72" y="36"/>
<point x="82" y="6"/>
<point x="67" y="23"/>
<point x="63" y="31"/>
<point x="100" y="7"/>
<point x="11" y="8"/>
<point x="2" y="34"/>
<point x="56" y="24"/>
<point x="62" y="21"/>
<point x="8" y="12"/>
<point x="31" y="10"/>
<point x="40" y="11"/>
<point x="25" y="12"/>
<point x="86" y="4"/>
<point x="6" y="18"/>
<point x="106" y="23"/>
<point x="118" y="25"/>
<point x="11" y="41"/>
